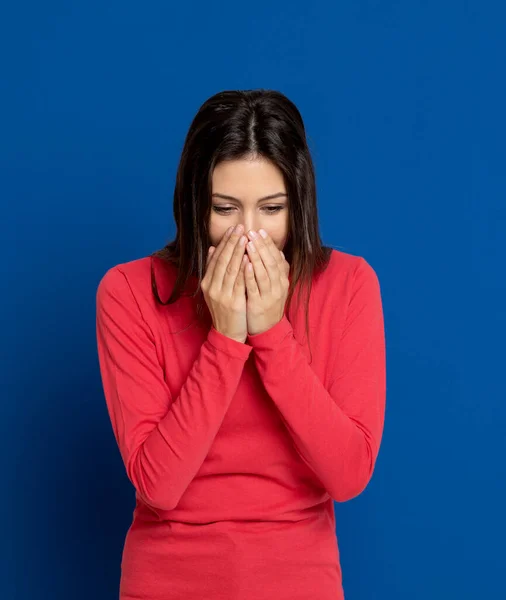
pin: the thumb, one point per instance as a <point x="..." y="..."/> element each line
<point x="240" y="286"/>
<point x="209" y="255"/>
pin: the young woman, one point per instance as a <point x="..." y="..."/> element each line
<point x="241" y="416"/>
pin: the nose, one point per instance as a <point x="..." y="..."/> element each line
<point x="251" y="223"/>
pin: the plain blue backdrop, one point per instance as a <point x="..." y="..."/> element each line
<point x="404" y="107"/>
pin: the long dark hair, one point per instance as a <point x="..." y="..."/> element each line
<point x="239" y="124"/>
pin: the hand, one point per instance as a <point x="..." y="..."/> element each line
<point x="266" y="284"/>
<point x="223" y="286"/>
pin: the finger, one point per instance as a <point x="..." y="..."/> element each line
<point x="286" y="264"/>
<point x="268" y="243"/>
<point x="233" y="267"/>
<point x="271" y="255"/>
<point x="272" y="259"/>
<point x="223" y="275"/>
<point x="250" y="281"/>
<point x="240" y="286"/>
<point x="277" y="253"/>
<point x="209" y="255"/>
<point x="259" y="270"/>
<point x="215" y="255"/>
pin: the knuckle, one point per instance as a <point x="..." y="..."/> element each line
<point x="255" y="310"/>
<point x="237" y="305"/>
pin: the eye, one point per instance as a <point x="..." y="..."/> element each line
<point x="225" y="210"/>
<point x="221" y="210"/>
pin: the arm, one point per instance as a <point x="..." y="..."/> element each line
<point x="163" y="441"/>
<point x="337" y="432"/>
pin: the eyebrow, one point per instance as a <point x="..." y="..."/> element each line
<point x="271" y="197"/>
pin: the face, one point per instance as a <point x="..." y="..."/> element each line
<point x="246" y="183"/>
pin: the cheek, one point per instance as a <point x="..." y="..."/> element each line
<point x="278" y="234"/>
<point x="216" y="232"/>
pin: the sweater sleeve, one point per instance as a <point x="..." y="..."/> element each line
<point x="336" y="431"/>
<point x="163" y="440"/>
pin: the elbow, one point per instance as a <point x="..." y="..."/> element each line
<point x="347" y="492"/>
<point x="149" y="486"/>
<point x="155" y="503"/>
<point x="356" y="477"/>
<point x="154" y="499"/>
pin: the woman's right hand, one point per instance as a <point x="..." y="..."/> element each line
<point x="224" y="287"/>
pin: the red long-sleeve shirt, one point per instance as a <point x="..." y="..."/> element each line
<point x="237" y="451"/>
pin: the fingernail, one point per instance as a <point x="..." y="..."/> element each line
<point x="262" y="233"/>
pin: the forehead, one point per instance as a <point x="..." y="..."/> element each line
<point x="245" y="178"/>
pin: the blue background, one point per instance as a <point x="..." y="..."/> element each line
<point x="404" y="104"/>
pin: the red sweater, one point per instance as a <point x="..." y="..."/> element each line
<point x="237" y="451"/>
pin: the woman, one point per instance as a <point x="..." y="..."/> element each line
<point x="236" y="431"/>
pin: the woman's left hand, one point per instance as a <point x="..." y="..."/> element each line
<point x="266" y="284"/>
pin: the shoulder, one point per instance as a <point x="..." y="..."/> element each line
<point x="135" y="273"/>
<point x="347" y="287"/>
<point x="141" y="282"/>
<point x="129" y="280"/>
<point x="345" y="272"/>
